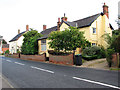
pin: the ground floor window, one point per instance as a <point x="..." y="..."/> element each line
<point x="43" y="45"/>
<point x="93" y="44"/>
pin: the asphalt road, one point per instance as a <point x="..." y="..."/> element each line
<point x="31" y="74"/>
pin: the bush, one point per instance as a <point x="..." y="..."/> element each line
<point x="89" y="57"/>
<point x="58" y="53"/>
<point x="7" y="52"/>
<point x="109" y="53"/>
<point x="93" y="52"/>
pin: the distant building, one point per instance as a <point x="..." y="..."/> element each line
<point x="3" y="45"/>
<point x="93" y="26"/>
<point x="16" y="42"/>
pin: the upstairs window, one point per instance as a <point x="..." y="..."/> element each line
<point x="94" y="30"/>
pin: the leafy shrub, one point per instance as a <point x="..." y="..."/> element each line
<point x="7" y="52"/>
<point x="109" y="53"/>
<point x="93" y="52"/>
<point x="30" y="44"/>
<point x="58" y="53"/>
<point x="89" y="57"/>
<point x="67" y="40"/>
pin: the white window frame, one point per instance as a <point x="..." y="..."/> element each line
<point x="43" y="45"/>
<point x="94" y="30"/>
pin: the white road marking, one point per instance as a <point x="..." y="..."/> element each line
<point x="42" y="69"/>
<point x="96" y="82"/>
<point x="8" y="60"/>
<point x="19" y="63"/>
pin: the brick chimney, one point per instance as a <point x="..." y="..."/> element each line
<point x="18" y="31"/>
<point x="64" y="18"/>
<point x="44" y="27"/>
<point x="58" y="24"/>
<point x="105" y="10"/>
<point x="27" y="27"/>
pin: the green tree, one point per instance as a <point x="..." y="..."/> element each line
<point x="4" y="42"/>
<point x="113" y="45"/>
<point x="30" y="45"/>
<point x="67" y="40"/>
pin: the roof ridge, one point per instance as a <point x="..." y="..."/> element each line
<point x="49" y="28"/>
<point x="87" y="17"/>
<point x="17" y="36"/>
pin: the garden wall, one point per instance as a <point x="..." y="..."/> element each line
<point x="12" y="55"/>
<point x="33" y="57"/>
<point x="61" y="59"/>
<point x="41" y="57"/>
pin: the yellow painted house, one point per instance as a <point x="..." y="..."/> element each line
<point x="93" y="26"/>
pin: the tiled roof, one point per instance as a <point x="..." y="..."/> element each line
<point x="17" y="36"/>
<point x="5" y="46"/>
<point x="83" y="22"/>
<point x="86" y="21"/>
<point x="47" y="32"/>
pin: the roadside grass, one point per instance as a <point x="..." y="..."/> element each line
<point x="83" y="61"/>
<point x="115" y="69"/>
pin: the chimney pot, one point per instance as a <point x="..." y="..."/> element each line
<point x="105" y="10"/>
<point x="58" y="19"/>
<point x="58" y="24"/>
<point x="18" y="31"/>
<point x="64" y="18"/>
<point x="27" y="27"/>
<point x="44" y="27"/>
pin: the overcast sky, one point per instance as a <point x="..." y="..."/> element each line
<point x="16" y="14"/>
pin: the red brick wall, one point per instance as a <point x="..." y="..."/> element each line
<point x="13" y="55"/>
<point x="29" y="57"/>
<point x="33" y="57"/>
<point x="61" y="59"/>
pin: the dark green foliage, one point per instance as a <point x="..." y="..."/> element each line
<point x="67" y="40"/>
<point x="18" y="51"/>
<point x="89" y="57"/>
<point x="4" y="42"/>
<point x="58" y="53"/>
<point x="115" y="32"/>
<point x="7" y="52"/>
<point x="109" y="53"/>
<point x="30" y="45"/>
<point x="93" y="52"/>
<point x="113" y="45"/>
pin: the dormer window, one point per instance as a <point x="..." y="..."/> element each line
<point x="94" y="30"/>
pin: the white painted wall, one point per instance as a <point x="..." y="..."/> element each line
<point x="14" y="45"/>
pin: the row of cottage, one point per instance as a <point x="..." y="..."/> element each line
<point x="93" y="26"/>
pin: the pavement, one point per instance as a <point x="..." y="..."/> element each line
<point x="96" y="64"/>
<point x="30" y="74"/>
<point x="4" y="83"/>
